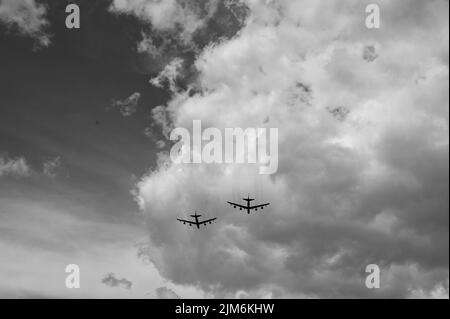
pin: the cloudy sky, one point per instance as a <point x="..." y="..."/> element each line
<point x="85" y="176"/>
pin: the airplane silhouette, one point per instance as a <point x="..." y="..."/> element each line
<point x="248" y="208"/>
<point x="196" y="222"/>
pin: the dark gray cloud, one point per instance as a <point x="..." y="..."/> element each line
<point x="340" y="112"/>
<point x="111" y="280"/>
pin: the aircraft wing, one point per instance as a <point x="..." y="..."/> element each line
<point x="258" y="206"/>
<point x="237" y="205"/>
<point x="204" y="222"/>
<point x="187" y="221"/>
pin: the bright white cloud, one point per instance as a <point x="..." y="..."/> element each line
<point x="53" y="235"/>
<point x="166" y="293"/>
<point x="111" y="280"/>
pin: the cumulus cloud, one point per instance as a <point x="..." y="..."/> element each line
<point x="166" y="293"/>
<point x="28" y="17"/>
<point x="128" y="106"/>
<point x="111" y="280"/>
<point x="372" y="188"/>
<point x="14" y="167"/>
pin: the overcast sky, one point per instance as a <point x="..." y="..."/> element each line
<point x="363" y="174"/>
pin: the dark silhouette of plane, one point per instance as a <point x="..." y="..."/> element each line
<point x="248" y="208"/>
<point x="196" y="222"/>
